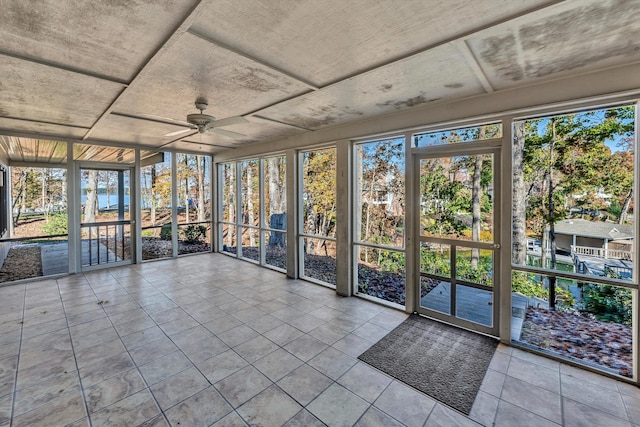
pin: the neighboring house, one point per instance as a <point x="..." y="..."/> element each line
<point x="594" y="234"/>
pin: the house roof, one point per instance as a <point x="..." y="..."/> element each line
<point x="129" y="73"/>
<point x="595" y="229"/>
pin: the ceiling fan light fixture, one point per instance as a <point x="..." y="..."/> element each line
<point x="200" y="119"/>
<point x="204" y="123"/>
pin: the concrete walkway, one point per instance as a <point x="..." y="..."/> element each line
<point x="55" y="256"/>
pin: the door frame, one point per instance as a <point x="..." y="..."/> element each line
<point x="101" y="166"/>
<point x="492" y="146"/>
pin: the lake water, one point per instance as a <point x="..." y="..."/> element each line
<point x="113" y="199"/>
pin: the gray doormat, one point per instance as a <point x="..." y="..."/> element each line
<point x="445" y="362"/>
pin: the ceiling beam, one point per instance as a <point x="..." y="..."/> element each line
<point x="149" y="119"/>
<point x="3" y="149"/>
<point x="44" y="122"/>
<point x="254" y="59"/>
<point x="113" y="144"/>
<point x="300" y="95"/>
<point x="473" y="63"/>
<point x="178" y="139"/>
<point x="64" y="67"/>
<point x="280" y="122"/>
<point x="37" y="164"/>
<point x="170" y="41"/>
<point x="54" y="137"/>
<point x="209" y="144"/>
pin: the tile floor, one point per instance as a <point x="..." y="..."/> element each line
<point x="210" y="340"/>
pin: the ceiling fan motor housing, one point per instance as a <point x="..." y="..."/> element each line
<point x="201" y="121"/>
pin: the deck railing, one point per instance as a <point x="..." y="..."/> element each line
<point x="106" y="241"/>
<point x="618" y="271"/>
<point x="602" y="252"/>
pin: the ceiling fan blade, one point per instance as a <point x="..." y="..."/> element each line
<point x="237" y="120"/>
<point x="177" y="132"/>
<point x="228" y="134"/>
<point x="210" y="144"/>
<point x="165" y="119"/>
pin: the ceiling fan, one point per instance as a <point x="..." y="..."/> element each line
<point x="203" y="123"/>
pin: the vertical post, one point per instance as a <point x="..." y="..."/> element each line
<point x="120" y="217"/>
<point x="411" y="218"/>
<point x="502" y="246"/>
<point x="216" y="195"/>
<point x="9" y="191"/>
<point x="174" y="205"/>
<point x="73" y="208"/>
<point x="504" y="210"/>
<point x="136" y="201"/>
<point x="293" y="212"/>
<point x="344" y="246"/>
<point x="356" y="205"/>
<point x="120" y="195"/>
<point x="239" y="219"/>
<point x="262" y="256"/>
<point x="635" y="293"/>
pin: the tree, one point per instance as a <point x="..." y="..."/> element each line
<point x="250" y="197"/>
<point x="105" y="177"/>
<point x="440" y="197"/>
<point x="565" y="160"/>
<point x="476" y="194"/>
<point x="277" y="201"/>
<point x="519" y="254"/>
<point x="19" y="187"/>
<point x="380" y="207"/>
<point x="91" y="202"/>
<point x="319" y="199"/>
<point x="153" y="203"/>
<point x="619" y="178"/>
<point x="186" y="173"/>
<point x="201" y="177"/>
<point x="229" y="200"/>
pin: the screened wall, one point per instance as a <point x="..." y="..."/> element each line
<point x="519" y="227"/>
<point x="252" y="214"/>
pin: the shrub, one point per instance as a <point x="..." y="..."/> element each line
<point x="148" y="233"/>
<point x="165" y="232"/>
<point x="608" y="303"/>
<point x="615" y="210"/>
<point x="527" y="284"/>
<point x="57" y="224"/>
<point x="194" y="233"/>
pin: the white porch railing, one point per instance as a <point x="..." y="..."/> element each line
<point x="601" y="252"/>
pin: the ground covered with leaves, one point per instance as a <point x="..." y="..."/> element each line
<point x="22" y="262"/>
<point x="372" y="280"/>
<point x="604" y="344"/>
<point x="153" y="248"/>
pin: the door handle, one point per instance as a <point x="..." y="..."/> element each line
<point x="496" y="246"/>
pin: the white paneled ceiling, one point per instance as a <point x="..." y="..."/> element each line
<point x="438" y="74"/>
<point x="576" y="36"/>
<point x="129" y="72"/>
